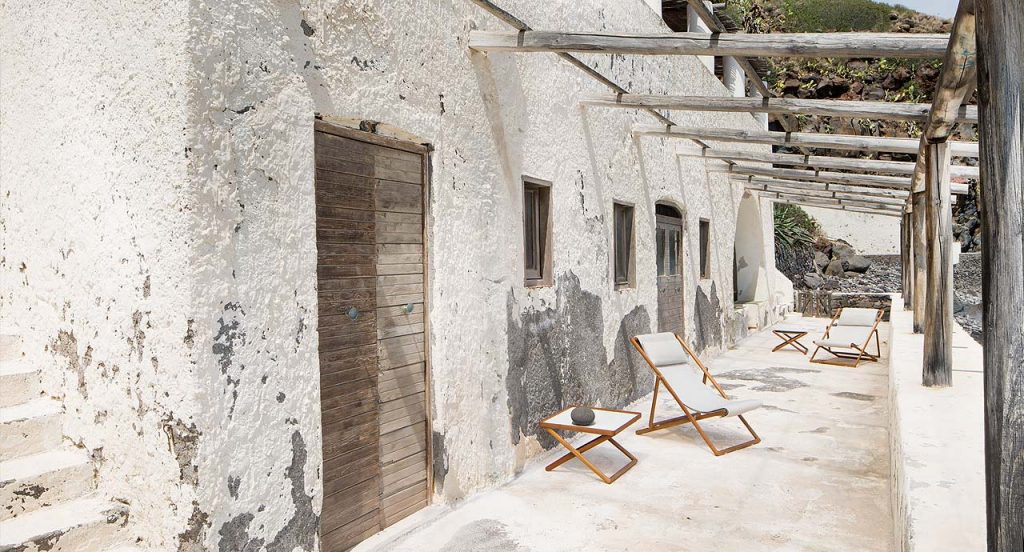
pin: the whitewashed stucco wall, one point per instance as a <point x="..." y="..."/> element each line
<point x="198" y="172"/>
<point x="868" y="234"/>
<point x="95" y="263"/>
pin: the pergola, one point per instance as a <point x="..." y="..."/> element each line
<point x="984" y="52"/>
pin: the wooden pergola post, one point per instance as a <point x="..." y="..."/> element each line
<point x="906" y="261"/>
<point x="938" y="316"/>
<point x="920" y="248"/>
<point x="1001" y="97"/>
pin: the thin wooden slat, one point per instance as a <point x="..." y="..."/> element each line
<point x="394" y="516"/>
<point x="357" y="501"/>
<point x="399" y="249"/>
<point x="347" y="536"/>
<point x="328" y="213"/>
<point x="397" y="331"/>
<point x="410" y="405"/>
<point x="351" y="474"/>
<point x="958" y="189"/>
<point x="343" y="251"/>
<point x="807" y="139"/>
<point x="349" y="197"/>
<point x="331" y="186"/>
<point x="404" y="497"/>
<point x="415" y="219"/>
<point x="399" y="237"/>
<point x="335" y="136"/>
<point x="395" y="454"/>
<point x="836" y="45"/>
<point x="896" y="111"/>
<point x="412" y="475"/>
<point x="339" y="465"/>
<point x="388" y="269"/>
<point x="399" y="197"/>
<point x="349" y="402"/>
<point x="389" y="299"/>
<point x="895" y="168"/>
<point x="397" y="436"/>
<point x="409" y="419"/>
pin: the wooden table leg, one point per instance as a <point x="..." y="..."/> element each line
<point x="790" y="340"/>
<point x="578" y="453"/>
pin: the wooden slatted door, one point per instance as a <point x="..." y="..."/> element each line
<point x="373" y="371"/>
<point x="668" y="240"/>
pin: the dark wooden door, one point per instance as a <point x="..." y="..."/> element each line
<point x="668" y="240"/>
<point x="373" y="370"/>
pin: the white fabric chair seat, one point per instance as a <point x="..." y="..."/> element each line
<point x="687" y="381"/>
<point x="845" y="336"/>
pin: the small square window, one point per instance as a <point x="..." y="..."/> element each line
<point x="536" y="232"/>
<point x="624" y="247"/>
<point x="705" y="248"/>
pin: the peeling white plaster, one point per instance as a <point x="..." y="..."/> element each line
<point x="177" y="142"/>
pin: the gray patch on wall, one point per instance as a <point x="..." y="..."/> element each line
<point x="184" y="441"/>
<point x="66" y="345"/>
<point x="707" y="320"/>
<point x="440" y="460"/>
<point x="191" y="539"/>
<point x="301" y="530"/>
<point x="557" y="357"/>
<point x="234" y="535"/>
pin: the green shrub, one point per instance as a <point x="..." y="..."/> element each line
<point x="794" y="229"/>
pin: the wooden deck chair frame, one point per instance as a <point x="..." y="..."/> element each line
<point x="862" y="350"/>
<point x="689" y="416"/>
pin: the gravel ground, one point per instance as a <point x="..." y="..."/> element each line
<point x="884" y="277"/>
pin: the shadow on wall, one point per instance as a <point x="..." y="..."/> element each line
<point x="557" y="358"/>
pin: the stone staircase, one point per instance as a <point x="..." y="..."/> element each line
<point x="48" y="495"/>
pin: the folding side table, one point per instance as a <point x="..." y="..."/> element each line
<point x="790" y="337"/>
<point x="607" y="424"/>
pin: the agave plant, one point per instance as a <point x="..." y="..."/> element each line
<point x="794" y="229"/>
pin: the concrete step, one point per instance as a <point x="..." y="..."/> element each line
<point x="19" y="382"/>
<point x="30" y="428"/>
<point x="90" y="523"/>
<point x="10" y="347"/>
<point x="40" y="480"/>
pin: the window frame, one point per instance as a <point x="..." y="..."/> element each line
<point x="704" y="248"/>
<point x="541" y="192"/>
<point x="628" y="281"/>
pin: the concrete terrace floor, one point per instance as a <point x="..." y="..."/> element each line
<point x="819" y="480"/>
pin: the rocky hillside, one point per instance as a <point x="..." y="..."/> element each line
<point x="898" y="80"/>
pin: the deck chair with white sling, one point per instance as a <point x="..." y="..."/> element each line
<point x="678" y="370"/>
<point x="848" y="336"/>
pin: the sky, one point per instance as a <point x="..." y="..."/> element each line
<point x="941" y="8"/>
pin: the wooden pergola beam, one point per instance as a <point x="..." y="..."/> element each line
<point x="844" y="199"/>
<point x="836" y="194"/>
<point x="835" y="45"/>
<point x="895" y="111"/>
<point x="895" y="168"/>
<point x="711" y="20"/>
<point x="806" y="139"/>
<point x="824" y="205"/>
<point x="1001" y="97"/>
<point x="865" y="180"/>
<point x="875" y="181"/>
<point x="758" y="182"/>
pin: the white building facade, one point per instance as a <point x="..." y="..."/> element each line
<point x="161" y="247"/>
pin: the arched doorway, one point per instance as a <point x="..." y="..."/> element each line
<point x="668" y="241"/>
<point x="749" y="272"/>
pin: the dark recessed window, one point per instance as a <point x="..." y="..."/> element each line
<point x="537" y="232"/>
<point x="624" y="247"/>
<point x="705" y="248"/>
